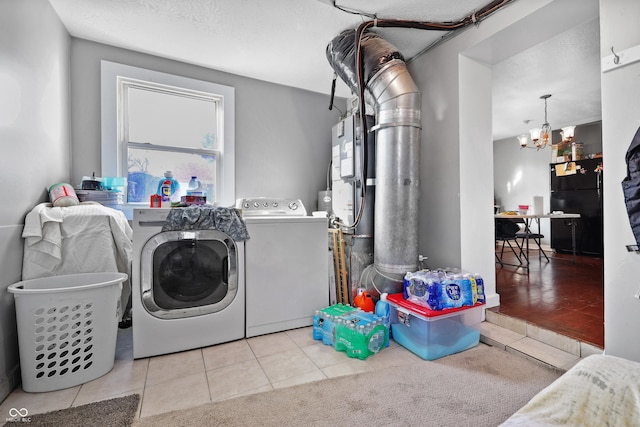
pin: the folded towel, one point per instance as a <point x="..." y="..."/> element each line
<point x="42" y="230"/>
<point x="226" y="220"/>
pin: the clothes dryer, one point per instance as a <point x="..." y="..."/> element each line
<point x="188" y="288"/>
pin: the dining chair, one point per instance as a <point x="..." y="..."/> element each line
<point x="506" y="231"/>
<point x="526" y="234"/>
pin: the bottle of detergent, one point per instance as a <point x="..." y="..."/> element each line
<point x="168" y="187"/>
<point x="364" y="300"/>
<point x="382" y="309"/>
<point x="193" y="187"/>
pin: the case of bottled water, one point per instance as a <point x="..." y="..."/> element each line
<point x="358" y="333"/>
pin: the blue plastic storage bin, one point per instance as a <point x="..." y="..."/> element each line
<point x="434" y="334"/>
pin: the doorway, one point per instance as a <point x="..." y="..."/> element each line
<point x="559" y="295"/>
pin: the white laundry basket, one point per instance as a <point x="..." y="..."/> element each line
<point x="67" y="328"/>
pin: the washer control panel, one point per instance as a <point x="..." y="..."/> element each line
<point x="268" y="206"/>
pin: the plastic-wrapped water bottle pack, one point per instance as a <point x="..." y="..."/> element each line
<point x="443" y="288"/>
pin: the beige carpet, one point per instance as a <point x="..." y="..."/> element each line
<point x="479" y="387"/>
<point x="117" y="412"/>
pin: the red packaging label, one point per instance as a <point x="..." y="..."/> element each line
<point x="156" y="201"/>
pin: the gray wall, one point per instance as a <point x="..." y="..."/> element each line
<point x="34" y="136"/>
<point x="521" y="173"/>
<point x="456" y="193"/>
<point x="283" y="135"/>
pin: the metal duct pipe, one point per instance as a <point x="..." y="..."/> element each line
<point x="396" y="100"/>
<point x="398" y="133"/>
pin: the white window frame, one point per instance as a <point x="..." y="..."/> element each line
<point x="113" y="151"/>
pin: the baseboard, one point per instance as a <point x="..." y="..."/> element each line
<point x="492" y="300"/>
<point x="9" y="382"/>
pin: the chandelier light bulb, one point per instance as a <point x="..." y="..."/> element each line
<point x="568" y="133"/>
<point x="535" y="134"/>
<point x="523" y="140"/>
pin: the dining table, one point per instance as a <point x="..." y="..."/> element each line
<point x="529" y="219"/>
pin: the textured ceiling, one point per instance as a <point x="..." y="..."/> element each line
<point x="284" y="42"/>
<point x="566" y="66"/>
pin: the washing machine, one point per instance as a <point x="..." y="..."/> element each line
<point x="286" y="264"/>
<point x="188" y="287"/>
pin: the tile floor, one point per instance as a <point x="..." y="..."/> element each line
<point x="191" y="378"/>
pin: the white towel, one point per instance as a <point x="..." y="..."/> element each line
<point x="42" y="230"/>
<point x="77" y="239"/>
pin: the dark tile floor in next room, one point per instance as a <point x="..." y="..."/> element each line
<point x="560" y="295"/>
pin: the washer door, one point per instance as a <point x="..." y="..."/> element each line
<point x="188" y="273"/>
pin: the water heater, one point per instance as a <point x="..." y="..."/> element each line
<point x="348" y="160"/>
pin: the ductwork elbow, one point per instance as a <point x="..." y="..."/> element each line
<point x="397" y="100"/>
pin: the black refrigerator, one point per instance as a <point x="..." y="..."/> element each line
<point x="577" y="190"/>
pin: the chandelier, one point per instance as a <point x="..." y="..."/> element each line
<point x="541" y="137"/>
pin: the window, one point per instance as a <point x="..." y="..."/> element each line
<point x="153" y="122"/>
<point x="166" y="128"/>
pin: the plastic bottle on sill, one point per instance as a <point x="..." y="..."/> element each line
<point x="193" y="187"/>
<point x="168" y="187"/>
